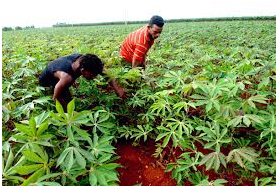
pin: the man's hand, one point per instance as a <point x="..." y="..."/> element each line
<point x="144" y="65"/>
<point x="119" y="90"/>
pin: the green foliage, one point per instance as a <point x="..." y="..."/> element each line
<point x="141" y="131"/>
<point x="218" y="182"/>
<point x="184" y="165"/>
<point x="215" y="87"/>
<point x="214" y="137"/>
<point x="265" y="182"/>
<point x="242" y="155"/>
<point x="213" y="160"/>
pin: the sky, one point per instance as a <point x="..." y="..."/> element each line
<point x="45" y="13"/>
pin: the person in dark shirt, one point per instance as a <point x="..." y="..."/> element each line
<point x="61" y="73"/>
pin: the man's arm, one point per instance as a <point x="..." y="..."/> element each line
<point x="112" y="82"/>
<point x="135" y="62"/>
<point x="64" y="81"/>
<point x="139" y="55"/>
<point x="119" y="90"/>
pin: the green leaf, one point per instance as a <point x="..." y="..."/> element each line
<point x="101" y="179"/>
<point x="82" y="133"/>
<point x="80" y="160"/>
<point x="208" y="106"/>
<point x="46" y="183"/>
<point x="69" y="160"/>
<point x="213" y="160"/>
<point x="92" y="179"/>
<point x="246" y="121"/>
<point x="166" y="140"/>
<point x="251" y="103"/>
<point x="237" y="120"/>
<point x="31" y="156"/>
<point x="32" y="124"/>
<point x="9" y="160"/>
<point x="169" y="168"/>
<point x="60" y="109"/>
<point x="42" y="117"/>
<point x="111" y="166"/>
<point x="42" y="128"/>
<point x="24" y="170"/>
<point x="238" y="155"/>
<point x="255" y="118"/>
<point x="62" y="156"/>
<point x="86" y="154"/>
<point x="34" y="177"/>
<point x="265" y="181"/>
<point x="48" y="176"/>
<point x="70" y="133"/>
<point x="70" y="108"/>
<point x="104" y="158"/>
<point x="219" y="182"/>
<point x="24" y="129"/>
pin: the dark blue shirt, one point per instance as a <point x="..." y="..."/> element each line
<point x="64" y="64"/>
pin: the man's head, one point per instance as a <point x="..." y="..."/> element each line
<point x="90" y="66"/>
<point x="155" y="26"/>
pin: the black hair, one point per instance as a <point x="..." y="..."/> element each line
<point x="157" y="20"/>
<point x="91" y="63"/>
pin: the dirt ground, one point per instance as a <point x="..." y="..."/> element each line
<point x="140" y="166"/>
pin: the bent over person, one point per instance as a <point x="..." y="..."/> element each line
<point x="61" y="73"/>
<point x="137" y="44"/>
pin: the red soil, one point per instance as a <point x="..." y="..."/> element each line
<point x="139" y="166"/>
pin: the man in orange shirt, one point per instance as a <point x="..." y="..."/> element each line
<point x="137" y="43"/>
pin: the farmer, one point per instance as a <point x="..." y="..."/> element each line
<point x="136" y="44"/>
<point x="61" y="73"/>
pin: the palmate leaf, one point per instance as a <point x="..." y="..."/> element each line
<point x="161" y="106"/>
<point x="258" y="99"/>
<point x="101" y="146"/>
<point x="141" y="131"/>
<point x="186" y="162"/>
<point x="241" y="154"/>
<point x="247" y="119"/>
<point x="124" y="131"/>
<point x="103" y="174"/>
<point x="213" y="160"/>
<point x="72" y="155"/>
<point x="168" y="132"/>
<point x="215" y="136"/>
<point x="183" y="105"/>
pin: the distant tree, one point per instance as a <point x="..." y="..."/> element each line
<point x="7" y="29"/>
<point x="30" y="27"/>
<point x="18" y="28"/>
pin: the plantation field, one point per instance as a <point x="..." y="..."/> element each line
<point x="202" y="113"/>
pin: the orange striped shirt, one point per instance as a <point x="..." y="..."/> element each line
<point x="136" y="45"/>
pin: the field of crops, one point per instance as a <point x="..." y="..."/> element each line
<point x="203" y="111"/>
